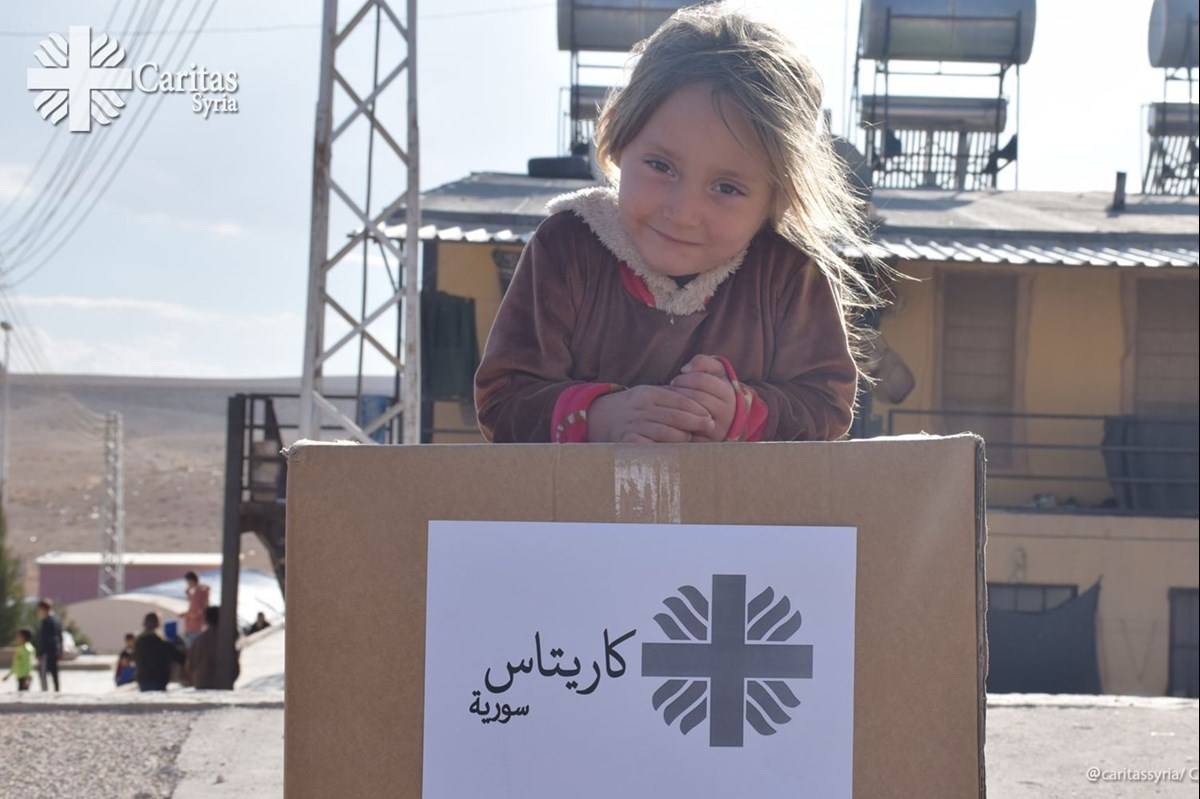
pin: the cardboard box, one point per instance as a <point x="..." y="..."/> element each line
<point x="358" y="522"/>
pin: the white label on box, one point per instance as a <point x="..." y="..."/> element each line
<point x="636" y="660"/>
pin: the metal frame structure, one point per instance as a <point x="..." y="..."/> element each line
<point x="953" y="160"/>
<point x="112" y="534"/>
<point x="577" y="130"/>
<point x="249" y="508"/>
<point x="315" y="406"/>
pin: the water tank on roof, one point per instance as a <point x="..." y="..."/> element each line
<point x="988" y="31"/>
<point x="984" y="114"/>
<point x="586" y="101"/>
<point x="1174" y="34"/>
<point x="1173" y="119"/>
<point x="611" y="25"/>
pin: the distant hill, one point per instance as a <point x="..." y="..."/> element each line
<point x="174" y="460"/>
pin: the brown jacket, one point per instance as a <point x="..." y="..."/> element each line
<point x="202" y="661"/>
<point x="567" y="319"/>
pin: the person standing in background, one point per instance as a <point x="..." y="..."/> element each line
<point x="153" y="656"/>
<point x="202" y="654"/>
<point x="197" y="597"/>
<point x="50" y="643"/>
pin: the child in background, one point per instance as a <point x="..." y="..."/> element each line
<point x="22" y="662"/>
<point x="705" y="298"/>
<point x="126" y="671"/>
<point x="197" y="598"/>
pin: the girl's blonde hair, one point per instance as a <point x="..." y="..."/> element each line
<point x="779" y="92"/>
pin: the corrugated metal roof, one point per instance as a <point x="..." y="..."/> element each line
<point x="1051" y="228"/>
<point x="452" y="231"/>
<point x="1021" y="249"/>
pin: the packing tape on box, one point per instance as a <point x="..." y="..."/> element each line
<point x="646" y="487"/>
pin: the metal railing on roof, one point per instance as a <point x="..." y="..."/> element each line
<point x="1119" y="465"/>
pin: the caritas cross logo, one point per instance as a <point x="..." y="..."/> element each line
<point x="80" y="80"/>
<point x="727" y="660"/>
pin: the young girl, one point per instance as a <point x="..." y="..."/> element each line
<point x="704" y="299"/>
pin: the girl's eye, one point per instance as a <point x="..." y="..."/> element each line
<point x="728" y="189"/>
<point x="658" y="166"/>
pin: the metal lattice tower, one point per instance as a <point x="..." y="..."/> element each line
<point x="112" y="535"/>
<point x="317" y="409"/>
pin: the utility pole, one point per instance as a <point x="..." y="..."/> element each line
<point x="112" y="536"/>
<point x="317" y="410"/>
<point x="7" y="328"/>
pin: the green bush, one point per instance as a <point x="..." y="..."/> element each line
<point x="12" y="591"/>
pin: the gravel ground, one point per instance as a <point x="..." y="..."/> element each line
<point x="100" y="755"/>
<point x="1038" y="747"/>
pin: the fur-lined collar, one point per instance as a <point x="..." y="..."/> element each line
<point x="597" y="206"/>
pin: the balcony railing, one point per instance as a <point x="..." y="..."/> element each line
<point x="1058" y="462"/>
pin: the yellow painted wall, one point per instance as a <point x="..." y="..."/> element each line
<point x="467" y="270"/>
<point x="1075" y="333"/>
<point x="1137" y="561"/>
<point x="908" y="326"/>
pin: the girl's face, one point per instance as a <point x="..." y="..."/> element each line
<point x="692" y="192"/>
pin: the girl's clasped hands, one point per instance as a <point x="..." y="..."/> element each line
<point x="697" y="405"/>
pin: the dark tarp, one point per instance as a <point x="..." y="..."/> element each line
<point x="449" y="347"/>
<point x="1051" y="652"/>
<point x="1185" y="630"/>
<point x="1175" y="498"/>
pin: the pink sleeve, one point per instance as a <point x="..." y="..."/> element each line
<point x="568" y="422"/>
<point x="750" y="413"/>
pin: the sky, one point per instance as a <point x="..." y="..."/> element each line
<point x="170" y="243"/>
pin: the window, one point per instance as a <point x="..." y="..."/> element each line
<point x="979" y="322"/>
<point x="1166" y="375"/>
<point x="1028" y="597"/>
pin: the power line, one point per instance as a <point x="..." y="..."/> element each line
<point x="72" y="144"/>
<point x="185" y="31"/>
<point x="84" y="152"/>
<point x="480" y="12"/>
<point x="28" y="344"/>
<point x="49" y="144"/>
<point x="65" y="233"/>
<point x="77" y="147"/>
<point x="29" y="347"/>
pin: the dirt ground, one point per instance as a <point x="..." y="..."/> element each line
<point x="1092" y="747"/>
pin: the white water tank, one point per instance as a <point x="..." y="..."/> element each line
<point x="982" y="114"/>
<point x="611" y="25"/>
<point x="985" y="31"/>
<point x="1174" y="39"/>
<point x="1173" y="119"/>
